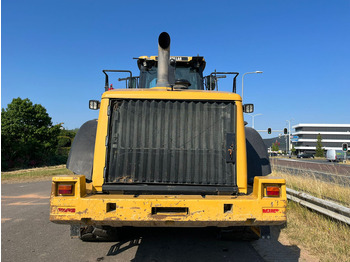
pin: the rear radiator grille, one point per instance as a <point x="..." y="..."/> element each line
<point x="170" y="142"/>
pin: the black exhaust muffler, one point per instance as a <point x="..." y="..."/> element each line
<point x="163" y="60"/>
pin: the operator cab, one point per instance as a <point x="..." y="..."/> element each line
<point x="184" y="72"/>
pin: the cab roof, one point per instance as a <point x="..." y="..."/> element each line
<point x="178" y="59"/>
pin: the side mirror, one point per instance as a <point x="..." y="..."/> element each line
<point x="94" y="104"/>
<point x="248" y="108"/>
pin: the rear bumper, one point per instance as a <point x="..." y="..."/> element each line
<point x="168" y="210"/>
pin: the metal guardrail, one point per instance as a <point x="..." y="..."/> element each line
<point x="324" y="207"/>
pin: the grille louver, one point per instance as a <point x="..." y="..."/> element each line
<point x="170" y="142"/>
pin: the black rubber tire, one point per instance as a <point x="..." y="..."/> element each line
<point x="90" y="233"/>
<point x="237" y="233"/>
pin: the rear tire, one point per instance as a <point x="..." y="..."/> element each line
<point x="237" y="233"/>
<point x="98" y="233"/>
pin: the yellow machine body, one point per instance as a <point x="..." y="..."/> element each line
<point x="89" y="205"/>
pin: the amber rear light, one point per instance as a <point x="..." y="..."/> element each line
<point x="272" y="191"/>
<point x="65" y="189"/>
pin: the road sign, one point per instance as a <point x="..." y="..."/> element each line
<point x="294" y="137"/>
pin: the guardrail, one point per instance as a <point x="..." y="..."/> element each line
<point x="324" y="207"/>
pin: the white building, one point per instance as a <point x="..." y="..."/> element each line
<point x="333" y="136"/>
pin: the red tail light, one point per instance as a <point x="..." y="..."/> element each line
<point x="272" y="191"/>
<point x="65" y="189"/>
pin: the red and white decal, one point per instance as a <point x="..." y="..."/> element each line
<point x="66" y="210"/>
<point x="270" y="210"/>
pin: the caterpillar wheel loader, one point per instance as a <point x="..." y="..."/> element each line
<point x="169" y="150"/>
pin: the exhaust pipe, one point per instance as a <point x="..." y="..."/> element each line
<point x="163" y="60"/>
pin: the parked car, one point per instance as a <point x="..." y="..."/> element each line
<point x="305" y="155"/>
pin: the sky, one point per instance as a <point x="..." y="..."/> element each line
<point x="53" y="52"/>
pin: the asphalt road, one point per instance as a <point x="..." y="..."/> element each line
<point x="319" y="169"/>
<point x="28" y="235"/>
<point x="313" y="164"/>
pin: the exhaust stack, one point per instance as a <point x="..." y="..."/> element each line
<point x="163" y="60"/>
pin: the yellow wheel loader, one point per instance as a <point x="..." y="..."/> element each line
<point x="169" y="150"/>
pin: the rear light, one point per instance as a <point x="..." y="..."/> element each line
<point x="65" y="189"/>
<point x="272" y="191"/>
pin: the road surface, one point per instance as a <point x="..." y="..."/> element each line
<point x="328" y="172"/>
<point x="28" y="235"/>
<point x="313" y="165"/>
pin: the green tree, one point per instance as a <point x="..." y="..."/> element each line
<point x="319" y="149"/>
<point x="275" y="146"/>
<point x="27" y="134"/>
<point x="65" y="140"/>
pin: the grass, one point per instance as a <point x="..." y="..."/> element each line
<point x="34" y="173"/>
<point x="323" y="237"/>
<point x="307" y="182"/>
<point x="345" y="163"/>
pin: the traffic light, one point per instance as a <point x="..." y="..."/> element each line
<point x="269" y="131"/>
<point x="345" y="147"/>
<point x="285" y="131"/>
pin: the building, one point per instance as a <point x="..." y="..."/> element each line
<point x="333" y="136"/>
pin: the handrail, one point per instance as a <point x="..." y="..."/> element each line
<point x="120" y="71"/>
<point x="225" y="73"/>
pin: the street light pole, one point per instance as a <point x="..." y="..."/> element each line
<point x="253" y="118"/>
<point x="289" y="133"/>
<point x="256" y="72"/>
